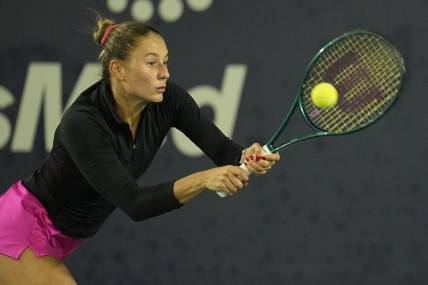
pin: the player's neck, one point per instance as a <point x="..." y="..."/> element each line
<point x="127" y="106"/>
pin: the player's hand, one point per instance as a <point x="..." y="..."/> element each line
<point x="257" y="161"/>
<point x="228" y="179"/>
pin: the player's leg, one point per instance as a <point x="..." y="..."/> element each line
<point x="30" y="269"/>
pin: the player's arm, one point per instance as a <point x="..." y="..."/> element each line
<point x="188" y="119"/>
<point x="213" y="142"/>
<point x="228" y="179"/>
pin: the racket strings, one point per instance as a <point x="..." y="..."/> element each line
<point x="366" y="70"/>
<point x="360" y="86"/>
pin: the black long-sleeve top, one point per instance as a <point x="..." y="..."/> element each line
<point x="94" y="163"/>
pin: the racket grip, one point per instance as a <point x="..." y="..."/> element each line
<point x="265" y="150"/>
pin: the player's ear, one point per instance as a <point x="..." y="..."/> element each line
<point x="116" y="69"/>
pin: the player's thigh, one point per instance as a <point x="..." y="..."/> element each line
<point x="30" y="269"/>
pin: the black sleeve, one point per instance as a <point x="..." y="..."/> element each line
<point x="90" y="147"/>
<point x="188" y="119"/>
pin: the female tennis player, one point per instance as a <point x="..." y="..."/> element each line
<point x="103" y="144"/>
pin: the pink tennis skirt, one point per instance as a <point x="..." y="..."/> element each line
<point x="25" y="223"/>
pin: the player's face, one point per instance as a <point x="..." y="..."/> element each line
<point x="145" y="71"/>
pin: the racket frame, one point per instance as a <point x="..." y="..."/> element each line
<point x="298" y="100"/>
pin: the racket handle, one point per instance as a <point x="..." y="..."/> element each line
<point x="266" y="150"/>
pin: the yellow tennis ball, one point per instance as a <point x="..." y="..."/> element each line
<point x="324" y="95"/>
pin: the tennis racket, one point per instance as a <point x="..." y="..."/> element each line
<point x="367" y="72"/>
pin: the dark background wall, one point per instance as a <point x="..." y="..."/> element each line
<point x="344" y="210"/>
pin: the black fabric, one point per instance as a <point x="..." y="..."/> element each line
<point x="95" y="163"/>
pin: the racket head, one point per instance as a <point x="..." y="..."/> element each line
<point x="367" y="71"/>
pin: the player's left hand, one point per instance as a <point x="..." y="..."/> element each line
<point x="257" y="161"/>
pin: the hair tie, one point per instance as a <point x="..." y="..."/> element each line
<point x="107" y="33"/>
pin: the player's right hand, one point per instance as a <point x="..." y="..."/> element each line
<point x="227" y="178"/>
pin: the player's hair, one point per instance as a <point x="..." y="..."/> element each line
<point x="118" y="40"/>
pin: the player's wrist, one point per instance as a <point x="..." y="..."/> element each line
<point x="202" y="179"/>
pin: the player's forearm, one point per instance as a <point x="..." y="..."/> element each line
<point x="189" y="186"/>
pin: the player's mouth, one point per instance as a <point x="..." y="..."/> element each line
<point x="161" y="89"/>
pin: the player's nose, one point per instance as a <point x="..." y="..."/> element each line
<point x="163" y="72"/>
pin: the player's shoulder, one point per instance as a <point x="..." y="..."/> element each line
<point x="174" y="89"/>
<point x="175" y="93"/>
<point x="84" y="108"/>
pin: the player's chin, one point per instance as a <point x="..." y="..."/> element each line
<point x="157" y="98"/>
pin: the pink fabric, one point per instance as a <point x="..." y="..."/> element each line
<point x="25" y="223"/>
<point x="107" y="33"/>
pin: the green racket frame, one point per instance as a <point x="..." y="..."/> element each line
<point x="298" y="101"/>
